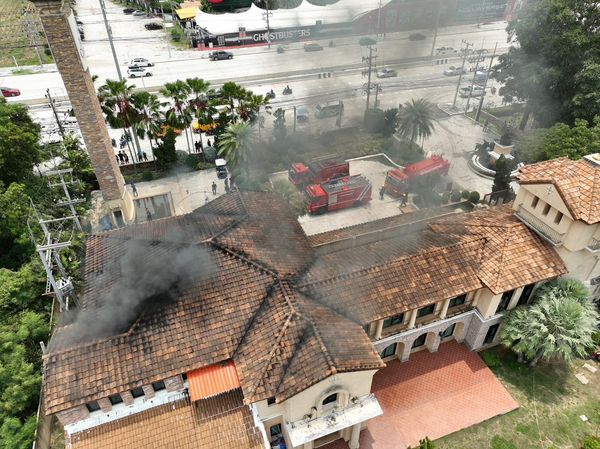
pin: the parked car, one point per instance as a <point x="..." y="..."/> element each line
<point x="138" y="72"/>
<point x="446" y="51"/>
<point x="468" y="92"/>
<point x="221" y="167"/>
<point x="452" y="71"/>
<point x="139" y="13"/>
<point x="140" y="62"/>
<point x="386" y="73"/>
<point x="301" y="114"/>
<point x="128" y="11"/>
<point x="313" y="47"/>
<point x="481" y="76"/>
<point x="10" y="92"/>
<point x="417" y="37"/>
<point x="153" y="26"/>
<point x="81" y="33"/>
<point x="220" y="54"/>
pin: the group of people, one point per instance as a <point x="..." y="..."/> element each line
<point x="228" y="185"/>
<point x="403" y="196"/>
<point x="122" y="157"/>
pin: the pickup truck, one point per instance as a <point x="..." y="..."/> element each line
<point x="220" y="54"/>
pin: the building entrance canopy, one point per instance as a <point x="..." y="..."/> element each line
<point x="213" y="380"/>
<point x="363" y="409"/>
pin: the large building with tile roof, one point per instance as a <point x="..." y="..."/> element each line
<point x="229" y="327"/>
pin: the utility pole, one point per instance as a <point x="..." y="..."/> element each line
<point x="379" y="20"/>
<point x="110" y="39"/>
<point x="485" y="84"/>
<point x="462" y="67"/>
<point x="479" y="58"/>
<point x="266" y="16"/>
<point x="369" y="61"/>
<point x="67" y="200"/>
<point x="377" y="90"/>
<point x="33" y="33"/>
<point x="60" y="127"/>
<point x="437" y="24"/>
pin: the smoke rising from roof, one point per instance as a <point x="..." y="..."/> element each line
<point x="149" y="275"/>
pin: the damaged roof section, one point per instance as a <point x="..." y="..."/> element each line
<point x="238" y="280"/>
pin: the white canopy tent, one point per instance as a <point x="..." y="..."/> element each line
<point x="305" y="15"/>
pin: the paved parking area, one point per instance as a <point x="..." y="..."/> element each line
<point x="433" y="394"/>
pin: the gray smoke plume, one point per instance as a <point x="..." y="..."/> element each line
<point x="148" y="276"/>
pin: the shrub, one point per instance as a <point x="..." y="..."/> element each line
<point x="491" y="359"/>
<point x="204" y="165"/>
<point x="465" y="194"/>
<point x="418" y="200"/>
<point x="374" y="121"/>
<point x="147" y="176"/>
<point x="191" y="160"/>
<point x="364" y="41"/>
<point x="500" y="443"/>
<point x="591" y="442"/>
<point x="596" y="338"/>
<point x="445" y="197"/>
<point x="455" y="196"/>
<point x="474" y="197"/>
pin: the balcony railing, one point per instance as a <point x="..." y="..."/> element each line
<point x="540" y="227"/>
<point x="594" y="245"/>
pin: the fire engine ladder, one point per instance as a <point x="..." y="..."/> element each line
<point x="363" y="193"/>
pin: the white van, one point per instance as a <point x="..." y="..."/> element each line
<point x="329" y="109"/>
<point x="468" y="92"/>
<point x="137" y="72"/>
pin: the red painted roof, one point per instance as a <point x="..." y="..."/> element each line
<point x="213" y="380"/>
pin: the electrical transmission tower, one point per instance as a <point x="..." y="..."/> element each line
<point x="57" y="234"/>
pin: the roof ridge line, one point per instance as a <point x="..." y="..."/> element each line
<point x="365" y="270"/>
<point x="232" y="224"/>
<point x="243" y="258"/>
<point x="316" y="331"/>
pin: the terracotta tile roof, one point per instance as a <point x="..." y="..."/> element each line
<point x="213" y="380"/>
<point x="222" y="422"/>
<point x="577" y="182"/>
<point x="287" y="317"/>
<point x="409" y="282"/>
<point x="513" y="256"/>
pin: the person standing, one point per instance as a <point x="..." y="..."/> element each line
<point x="381" y="192"/>
<point x="214" y="188"/>
<point x="133" y="188"/>
<point x="126" y="158"/>
<point x="404" y="199"/>
<point x="226" y="185"/>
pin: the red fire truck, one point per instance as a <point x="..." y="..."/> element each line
<point x="397" y="180"/>
<point x="318" y="170"/>
<point x="338" y="194"/>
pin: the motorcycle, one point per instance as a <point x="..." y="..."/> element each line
<point x="287" y="90"/>
<point x="270" y="95"/>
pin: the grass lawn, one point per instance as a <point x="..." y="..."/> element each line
<point x="551" y="400"/>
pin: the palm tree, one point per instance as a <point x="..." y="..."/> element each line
<point x="115" y="101"/>
<point x="231" y="92"/>
<point x="559" y="324"/>
<point x="415" y="119"/>
<point x="199" y="106"/>
<point x="178" y="114"/>
<point x="235" y="145"/>
<point x="250" y="105"/>
<point x="148" y="107"/>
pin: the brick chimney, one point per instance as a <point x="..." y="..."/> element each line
<point x="63" y="38"/>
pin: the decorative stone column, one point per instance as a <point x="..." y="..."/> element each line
<point x="444" y="310"/>
<point x="60" y="28"/>
<point x="378" y="329"/>
<point x="413" y="319"/>
<point x="353" y="443"/>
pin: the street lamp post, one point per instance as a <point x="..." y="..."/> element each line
<point x="110" y="40"/>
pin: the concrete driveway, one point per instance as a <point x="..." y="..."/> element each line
<point x="433" y="395"/>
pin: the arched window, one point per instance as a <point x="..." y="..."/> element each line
<point x="330" y="399"/>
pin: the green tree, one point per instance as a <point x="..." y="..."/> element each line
<point x="235" y="145"/>
<point x="148" y="108"/>
<point x="554" y="62"/>
<point x="250" y="105"/>
<point x="179" y="115"/>
<point x="415" y="119"/>
<point x="19" y="149"/>
<point x="290" y="193"/>
<point x="559" y="324"/>
<point x="15" y="241"/>
<point x="199" y="105"/>
<point x="115" y="100"/>
<point x="229" y="94"/>
<point x="279" y="128"/>
<point x="502" y="176"/>
<point x="390" y="121"/>
<point x="425" y="444"/>
<point x="164" y="152"/>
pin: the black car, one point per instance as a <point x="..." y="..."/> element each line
<point x="312" y="47"/>
<point x="153" y="26"/>
<point x="417" y="37"/>
<point x="128" y="10"/>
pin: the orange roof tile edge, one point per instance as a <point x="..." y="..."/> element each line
<point x="213" y="380"/>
